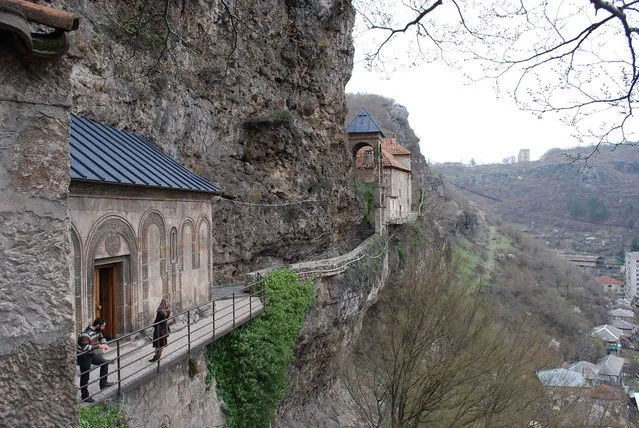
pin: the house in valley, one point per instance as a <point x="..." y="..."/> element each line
<point x="612" y="286"/>
<point x="610" y="369"/>
<point x="621" y="314"/>
<point x="140" y="229"/>
<point x="611" y="336"/>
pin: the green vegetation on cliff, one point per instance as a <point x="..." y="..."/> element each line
<point x="102" y="416"/>
<point x="250" y="364"/>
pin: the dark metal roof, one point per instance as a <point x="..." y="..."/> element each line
<point x="363" y="123"/>
<point x="104" y="154"/>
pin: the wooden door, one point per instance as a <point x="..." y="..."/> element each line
<point x="106" y="297"/>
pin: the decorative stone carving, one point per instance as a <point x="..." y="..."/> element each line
<point x="112" y="244"/>
<point x="153" y="218"/>
<point x="122" y="229"/>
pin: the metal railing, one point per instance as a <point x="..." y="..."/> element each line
<point x="192" y="328"/>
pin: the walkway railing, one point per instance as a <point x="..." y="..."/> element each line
<point x="193" y="328"/>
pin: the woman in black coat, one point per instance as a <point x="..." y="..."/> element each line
<point x="161" y="329"/>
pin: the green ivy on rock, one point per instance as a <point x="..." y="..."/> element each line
<point x="250" y="364"/>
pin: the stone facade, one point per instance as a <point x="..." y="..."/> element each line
<point x="36" y="298"/>
<point x="176" y="398"/>
<point x="132" y="246"/>
<point x="398" y="185"/>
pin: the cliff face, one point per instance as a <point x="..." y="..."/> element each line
<point x="249" y="95"/>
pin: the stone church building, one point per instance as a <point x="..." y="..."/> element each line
<point x="140" y="229"/>
<point x="384" y="162"/>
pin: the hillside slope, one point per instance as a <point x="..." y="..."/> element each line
<point x="533" y="291"/>
<point x="559" y="202"/>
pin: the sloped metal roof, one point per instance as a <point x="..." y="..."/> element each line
<point x="622" y="325"/>
<point x="587" y="369"/>
<point x="102" y="153"/>
<point x="606" y="332"/>
<point x="621" y="313"/>
<point x="610" y="365"/>
<point x="363" y="123"/>
<point x="561" y="377"/>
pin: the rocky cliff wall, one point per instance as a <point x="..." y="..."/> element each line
<point x="250" y="95"/>
<point x="37" y="352"/>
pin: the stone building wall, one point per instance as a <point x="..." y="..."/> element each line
<point x="159" y="242"/>
<point x="398" y="193"/>
<point x="176" y="398"/>
<point x="37" y="352"/>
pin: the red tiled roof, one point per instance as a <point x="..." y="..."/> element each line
<point x="388" y="160"/>
<point x="391" y="145"/>
<point x="605" y="279"/>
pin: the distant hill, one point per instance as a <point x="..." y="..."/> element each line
<point x="560" y="202"/>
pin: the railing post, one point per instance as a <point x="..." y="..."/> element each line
<point x="250" y="302"/>
<point x="119" y="369"/>
<point x="234" y="309"/>
<point x="188" y="330"/>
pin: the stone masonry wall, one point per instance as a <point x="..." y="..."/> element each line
<point x="36" y="302"/>
<point x="176" y="398"/>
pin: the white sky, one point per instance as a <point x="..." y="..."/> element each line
<point x="457" y="121"/>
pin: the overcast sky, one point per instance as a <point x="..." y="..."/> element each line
<point x="457" y="121"/>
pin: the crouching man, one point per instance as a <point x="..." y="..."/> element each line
<point x="91" y="344"/>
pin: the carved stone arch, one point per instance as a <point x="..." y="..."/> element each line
<point x="114" y="226"/>
<point x="173" y="262"/>
<point x="204" y="222"/>
<point x="173" y="244"/>
<point x="76" y="246"/>
<point x="186" y="260"/>
<point x="188" y="226"/>
<point x="149" y="219"/>
<point x="356" y="146"/>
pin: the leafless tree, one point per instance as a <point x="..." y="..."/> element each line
<point x="574" y="57"/>
<point x="431" y="355"/>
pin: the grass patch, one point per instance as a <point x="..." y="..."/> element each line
<point x="250" y="364"/>
<point x="467" y="264"/>
<point x="502" y="242"/>
<point x="102" y="416"/>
